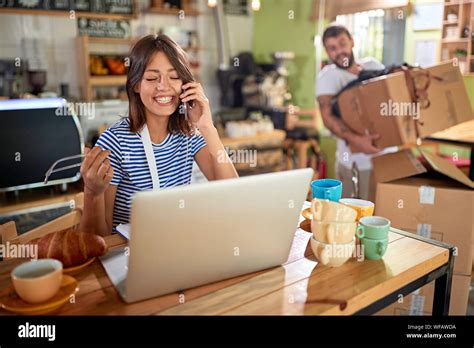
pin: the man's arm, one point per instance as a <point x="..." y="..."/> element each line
<point x="359" y="143"/>
<point x="334" y="124"/>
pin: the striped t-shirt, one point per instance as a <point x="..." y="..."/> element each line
<point x="174" y="159"/>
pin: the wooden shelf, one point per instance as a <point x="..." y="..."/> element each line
<point x="158" y="7"/>
<point x="463" y="40"/>
<point x="67" y="13"/>
<point x="107" y="80"/>
<point x="173" y="11"/>
<point x="87" y="81"/>
<point x="110" y="40"/>
<point x="464" y="12"/>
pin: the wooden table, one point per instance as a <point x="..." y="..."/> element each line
<point x="463" y="132"/>
<point x="300" y="286"/>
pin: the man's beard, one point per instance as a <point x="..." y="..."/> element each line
<point x="348" y="61"/>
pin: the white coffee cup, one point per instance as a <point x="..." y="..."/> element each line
<point x="332" y="255"/>
<point x="325" y="210"/>
<point x="38" y="280"/>
<point x="333" y="232"/>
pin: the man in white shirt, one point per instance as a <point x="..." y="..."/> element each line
<point x="339" y="43"/>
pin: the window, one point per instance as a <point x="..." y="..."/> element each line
<point x="377" y="33"/>
<point x="367" y="29"/>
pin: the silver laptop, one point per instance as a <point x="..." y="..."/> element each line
<point x="187" y="236"/>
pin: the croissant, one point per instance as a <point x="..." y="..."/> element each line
<point x="70" y="247"/>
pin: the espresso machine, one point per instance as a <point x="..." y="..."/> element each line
<point x="16" y="79"/>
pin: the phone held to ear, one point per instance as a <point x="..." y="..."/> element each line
<point x="184" y="108"/>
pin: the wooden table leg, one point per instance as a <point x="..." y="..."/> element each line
<point x="288" y="145"/>
<point x="302" y="149"/>
<point x="314" y="158"/>
<point x="442" y="291"/>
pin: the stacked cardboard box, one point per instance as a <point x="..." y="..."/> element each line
<point x="435" y="199"/>
<point x="430" y="197"/>
<point x="457" y="143"/>
<point x="420" y="302"/>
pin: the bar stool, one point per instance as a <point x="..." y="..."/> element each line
<point x="301" y="140"/>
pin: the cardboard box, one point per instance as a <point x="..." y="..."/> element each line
<point x="458" y="153"/>
<point x="463" y="136"/>
<point x="420" y="302"/>
<point x="434" y="199"/>
<point x="383" y="105"/>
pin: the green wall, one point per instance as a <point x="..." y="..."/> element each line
<point x="275" y="31"/>
<point x="411" y="36"/>
<point x="469" y="82"/>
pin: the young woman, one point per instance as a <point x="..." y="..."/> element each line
<point x="155" y="146"/>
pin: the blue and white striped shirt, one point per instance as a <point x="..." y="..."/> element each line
<point x="174" y="158"/>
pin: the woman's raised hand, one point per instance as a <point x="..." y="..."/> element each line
<point x="200" y="113"/>
<point x="96" y="171"/>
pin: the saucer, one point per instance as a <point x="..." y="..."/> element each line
<point x="307" y="214"/>
<point x="305" y="225"/>
<point x="79" y="267"/>
<point x="10" y="301"/>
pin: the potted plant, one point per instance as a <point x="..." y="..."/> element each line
<point x="461" y="54"/>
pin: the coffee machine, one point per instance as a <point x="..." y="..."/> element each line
<point x="14" y="78"/>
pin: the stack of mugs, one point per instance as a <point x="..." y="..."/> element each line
<point x="336" y="222"/>
<point x="373" y="233"/>
<point x="372" y="230"/>
<point x="334" y="227"/>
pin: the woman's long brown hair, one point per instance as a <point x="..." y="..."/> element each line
<point x="140" y="56"/>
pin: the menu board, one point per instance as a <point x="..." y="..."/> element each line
<point x="104" y="28"/>
<point x="236" y="7"/>
<point x="95" y="6"/>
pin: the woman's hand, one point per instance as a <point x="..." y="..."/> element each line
<point x="200" y="113"/>
<point x="96" y="171"/>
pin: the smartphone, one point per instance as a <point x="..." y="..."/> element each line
<point x="185" y="109"/>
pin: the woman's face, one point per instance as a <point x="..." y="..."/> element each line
<point x="160" y="86"/>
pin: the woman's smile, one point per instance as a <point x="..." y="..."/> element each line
<point x="165" y="100"/>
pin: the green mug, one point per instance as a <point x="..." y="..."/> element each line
<point x="374" y="249"/>
<point x="373" y="227"/>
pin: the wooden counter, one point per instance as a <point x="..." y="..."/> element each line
<point x="300" y="286"/>
<point x="274" y="138"/>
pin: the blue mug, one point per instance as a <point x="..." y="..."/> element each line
<point x="327" y="189"/>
